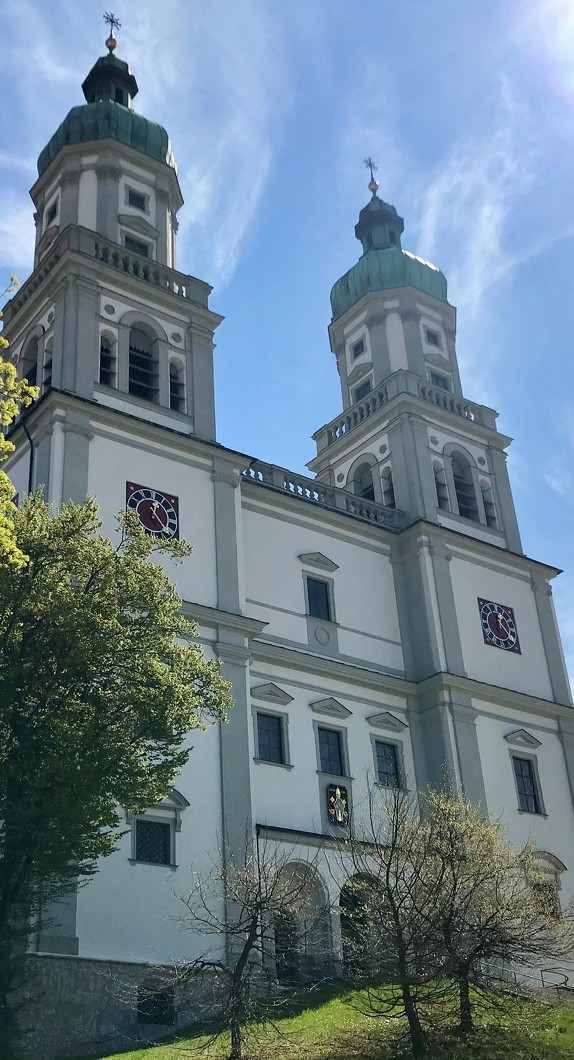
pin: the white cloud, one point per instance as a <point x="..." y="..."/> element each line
<point x="16" y="233"/>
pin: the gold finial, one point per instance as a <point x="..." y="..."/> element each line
<point x="114" y="23"/>
<point x="373" y="184"/>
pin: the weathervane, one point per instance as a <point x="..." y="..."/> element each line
<point x="373" y="184"/>
<point x="114" y="23"/>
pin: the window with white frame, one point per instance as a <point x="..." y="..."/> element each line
<point x="362" y="390"/>
<point x="363" y="482"/>
<point x="527" y="784"/>
<point x="176" y="387"/>
<point x="271" y="737"/>
<point x="388" y="488"/>
<point x="137" y="199"/>
<point x="358" y="348"/>
<point x="387" y="764"/>
<point x="153" y="833"/>
<point x="30" y="356"/>
<point x="441" y="487"/>
<point x="107" y="365"/>
<point x="331" y="751"/>
<point x="440" y="380"/>
<point x="432" y="338"/>
<point x="137" y="246"/>
<point x="51" y="213"/>
<point x="319" y="603"/>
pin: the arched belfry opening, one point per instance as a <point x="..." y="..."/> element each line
<point x="143" y="368"/>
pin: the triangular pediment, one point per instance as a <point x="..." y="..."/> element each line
<point x="386" y="721"/>
<point x="521" y="738"/>
<point x="331" y="707"/>
<point x="317" y="559"/>
<point x="358" y="372"/>
<point x="271" y="693"/>
<point x="138" y="224"/>
<point x="439" y="361"/>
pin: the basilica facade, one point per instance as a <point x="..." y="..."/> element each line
<point x="377" y="619"/>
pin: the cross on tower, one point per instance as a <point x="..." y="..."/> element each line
<point x="373" y="184"/>
<point x="113" y="22"/>
<point x="371" y="165"/>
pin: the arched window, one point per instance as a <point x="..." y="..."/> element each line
<point x="142" y="377"/>
<point x="547" y="886"/>
<point x="47" y="367"/>
<point x="357" y="904"/>
<point x="388" y="488"/>
<point x="363" y="482"/>
<point x="301" y="927"/>
<point x="107" y="376"/>
<point x="464" y="488"/>
<point x="176" y="387"/>
<point x="488" y="501"/>
<point x="30" y="362"/>
<point x="441" y="487"/>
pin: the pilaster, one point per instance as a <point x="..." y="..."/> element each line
<point x="506" y="511"/>
<point x="202" y="397"/>
<point x="551" y="640"/>
<point x="77" y="437"/>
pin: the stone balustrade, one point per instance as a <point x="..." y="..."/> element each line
<point x="89" y="244"/>
<point x="402" y="382"/>
<point x="322" y="493"/>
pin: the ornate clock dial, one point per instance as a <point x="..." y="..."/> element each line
<point x="498" y="625"/>
<point x="157" y="512"/>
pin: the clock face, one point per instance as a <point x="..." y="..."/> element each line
<point x="157" y="512"/>
<point x="498" y="625"/>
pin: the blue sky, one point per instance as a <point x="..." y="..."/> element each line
<point x="271" y="105"/>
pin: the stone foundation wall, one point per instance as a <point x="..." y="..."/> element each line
<point x="79" y="1007"/>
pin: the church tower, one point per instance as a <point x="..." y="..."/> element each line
<point x="397" y="441"/>
<point x="107" y="317"/>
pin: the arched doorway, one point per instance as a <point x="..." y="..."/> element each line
<point x="357" y="896"/>
<point x="302" y="927"/>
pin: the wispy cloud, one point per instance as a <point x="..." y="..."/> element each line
<point x="467" y="203"/>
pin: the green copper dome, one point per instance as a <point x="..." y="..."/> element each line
<point x="384" y="264"/>
<point x="107" y="120"/>
<point x="107" y="114"/>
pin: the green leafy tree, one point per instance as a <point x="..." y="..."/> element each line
<point x="15" y="394"/>
<point x="99" y="685"/>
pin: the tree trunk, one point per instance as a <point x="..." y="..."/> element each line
<point x="466" y="1024"/>
<point x="236" y="1042"/>
<point x="415" y="1029"/>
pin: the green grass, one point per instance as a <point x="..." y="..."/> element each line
<point x="324" y="1025"/>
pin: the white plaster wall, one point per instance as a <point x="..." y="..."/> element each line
<point x="525" y="672"/>
<point x="364" y="595"/>
<point x="294" y="798"/>
<point x="127" y="911"/>
<point x="553" y="833"/>
<point x="17" y="470"/>
<point x="113" y="462"/>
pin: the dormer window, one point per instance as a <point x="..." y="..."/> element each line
<point x="357" y="349"/>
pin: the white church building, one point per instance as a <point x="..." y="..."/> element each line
<point x="376" y="618"/>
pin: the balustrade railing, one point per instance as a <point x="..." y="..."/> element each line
<point x="459" y="406"/>
<point x="89" y="244"/>
<point x="322" y="493"/>
<point x="402" y="382"/>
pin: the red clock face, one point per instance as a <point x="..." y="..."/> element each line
<point x="498" y="625"/>
<point x="157" y="512"/>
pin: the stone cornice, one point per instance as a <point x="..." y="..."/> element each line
<point x="496" y="694"/>
<point x="212" y="616"/>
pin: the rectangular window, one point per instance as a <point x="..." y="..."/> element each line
<point x="136" y="199"/>
<point x="361" y="391"/>
<point x="440" y="380"/>
<point x="387" y="764"/>
<point x="51" y="213"/>
<point x="433" y="338"/>
<point x="527" y="787"/>
<point x="270" y="738"/>
<point x="318" y="599"/>
<point x="357" y="349"/>
<point x="136" y="247"/>
<point x="153" y="842"/>
<point x="331" y="752"/>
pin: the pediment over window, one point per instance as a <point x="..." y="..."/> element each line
<point x="331" y="707"/>
<point x="358" y="372"/>
<point x="521" y="738"/>
<point x="317" y="559"/>
<point x="271" y="693"/>
<point x="438" y="360"/>
<point x="387" y="721"/>
<point x="138" y="224"/>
